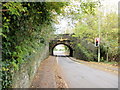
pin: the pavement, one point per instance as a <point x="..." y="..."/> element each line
<point x="48" y="75"/>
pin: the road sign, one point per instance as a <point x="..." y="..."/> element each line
<point x="97" y="42"/>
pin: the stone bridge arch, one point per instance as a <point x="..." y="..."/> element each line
<point x="65" y="39"/>
<point x="66" y="44"/>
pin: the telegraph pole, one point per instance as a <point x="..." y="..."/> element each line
<point x="99" y="27"/>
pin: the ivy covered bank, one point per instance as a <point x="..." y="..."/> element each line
<point x="27" y="27"/>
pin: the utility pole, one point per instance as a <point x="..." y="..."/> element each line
<point x="99" y="27"/>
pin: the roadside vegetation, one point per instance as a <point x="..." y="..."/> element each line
<point x="27" y="27"/>
<point x="88" y="30"/>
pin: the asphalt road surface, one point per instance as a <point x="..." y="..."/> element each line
<point x="78" y="75"/>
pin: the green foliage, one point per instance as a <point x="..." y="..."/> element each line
<point x="27" y="27"/>
<point x="67" y="49"/>
<point x="15" y="8"/>
<point x="89" y="7"/>
<point x="87" y="29"/>
<point x="109" y="33"/>
<point x="86" y="54"/>
<point x="77" y="9"/>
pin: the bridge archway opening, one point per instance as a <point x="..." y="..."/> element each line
<point x="62" y="49"/>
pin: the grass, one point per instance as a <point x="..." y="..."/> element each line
<point x="111" y="63"/>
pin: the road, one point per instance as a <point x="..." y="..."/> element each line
<point x="78" y="75"/>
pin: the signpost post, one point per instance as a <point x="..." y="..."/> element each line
<point x="99" y="27"/>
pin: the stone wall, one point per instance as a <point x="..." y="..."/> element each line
<point x="24" y="76"/>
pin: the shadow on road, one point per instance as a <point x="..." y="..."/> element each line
<point x="61" y="55"/>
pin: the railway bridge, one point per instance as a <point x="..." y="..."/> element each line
<point x="65" y="39"/>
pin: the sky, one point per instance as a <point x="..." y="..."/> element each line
<point x="107" y="6"/>
<point x="110" y="5"/>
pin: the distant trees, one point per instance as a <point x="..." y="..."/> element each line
<point x="87" y="28"/>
